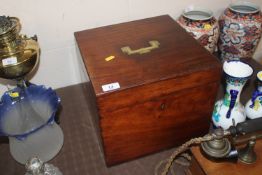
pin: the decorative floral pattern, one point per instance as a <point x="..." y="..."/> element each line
<point x="226" y="100"/>
<point x="248" y="46"/>
<point x="253" y="107"/>
<point x="251" y="31"/>
<point x="236" y="81"/>
<point x="216" y="115"/>
<point x="201" y="24"/>
<point x="243" y="16"/>
<point x="257" y="105"/>
<point x="231" y="49"/>
<point x="239" y="34"/>
<point x="206" y="32"/>
<point x="233" y="33"/>
<point x="204" y="40"/>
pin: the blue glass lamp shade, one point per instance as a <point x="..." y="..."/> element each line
<point x="27" y="118"/>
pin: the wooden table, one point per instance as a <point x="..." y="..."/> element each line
<point x="201" y="165"/>
<point x="81" y="154"/>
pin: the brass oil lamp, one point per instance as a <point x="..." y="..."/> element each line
<point x="19" y="54"/>
<point x="27" y="112"/>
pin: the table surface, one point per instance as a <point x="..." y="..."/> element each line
<point x="209" y="167"/>
<point x="81" y="153"/>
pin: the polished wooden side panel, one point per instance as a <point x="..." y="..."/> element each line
<point x="93" y="111"/>
<point x="157" y="124"/>
<point x="140" y="94"/>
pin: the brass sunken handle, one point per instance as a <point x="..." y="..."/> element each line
<point x="153" y="45"/>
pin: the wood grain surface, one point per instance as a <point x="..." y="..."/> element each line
<point x="178" y="55"/>
<point x="165" y="96"/>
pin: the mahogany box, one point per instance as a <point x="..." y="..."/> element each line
<point x="154" y="86"/>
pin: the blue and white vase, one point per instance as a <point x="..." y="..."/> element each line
<point x="229" y="110"/>
<point x="253" y="107"/>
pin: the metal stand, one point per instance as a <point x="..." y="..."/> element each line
<point x="247" y="155"/>
<point x="219" y="147"/>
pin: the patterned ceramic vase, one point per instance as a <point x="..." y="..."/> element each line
<point x="240" y="30"/>
<point x="253" y="107"/>
<point x="202" y="26"/>
<point x="229" y="110"/>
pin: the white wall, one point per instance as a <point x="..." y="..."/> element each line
<point x="55" y="21"/>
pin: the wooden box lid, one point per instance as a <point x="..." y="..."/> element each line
<point x="178" y="53"/>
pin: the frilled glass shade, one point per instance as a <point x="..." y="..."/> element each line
<point x="27" y="118"/>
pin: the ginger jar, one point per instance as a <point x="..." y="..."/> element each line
<point x="202" y="25"/>
<point x="240" y="30"/>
